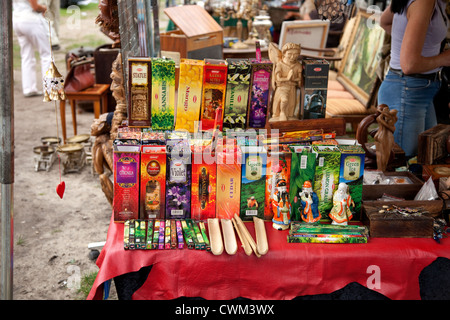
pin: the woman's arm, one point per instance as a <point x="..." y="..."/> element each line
<point x="36" y="6"/>
<point x="386" y="19"/>
<point x="411" y="59"/>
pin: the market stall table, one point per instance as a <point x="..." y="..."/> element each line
<point x="390" y="266"/>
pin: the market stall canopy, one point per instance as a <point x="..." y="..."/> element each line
<point x="199" y="35"/>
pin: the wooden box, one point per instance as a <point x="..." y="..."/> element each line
<point x="433" y="144"/>
<point x="405" y="191"/>
<point x="436" y="172"/>
<point x="199" y="35"/>
<point x="395" y="225"/>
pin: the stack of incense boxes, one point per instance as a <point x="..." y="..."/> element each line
<point x="151" y="234"/>
<point x="301" y="232"/>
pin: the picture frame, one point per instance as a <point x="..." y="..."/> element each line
<point x="310" y="33"/>
<point x="357" y="71"/>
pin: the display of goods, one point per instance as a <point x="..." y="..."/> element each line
<point x="237" y="94"/>
<point x="277" y="180"/>
<point x="303" y="168"/>
<point x="213" y="97"/>
<point x="229" y="159"/>
<point x="203" y="186"/>
<point x="326" y="178"/>
<point x="139" y="91"/>
<point x="126" y="182"/>
<point x="163" y="94"/>
<point x="190" y="88"/>
<point x="253" y="182"/>
<point x="352" y="172"/>
<point x="178" y="179"/>
<point x="259" y="100"/>
<point x="153" y="181"/>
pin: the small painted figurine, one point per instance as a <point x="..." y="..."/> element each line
<point x="281" y="206"/>
<point x="310" y="203"/>
<point x="341" y="213"/>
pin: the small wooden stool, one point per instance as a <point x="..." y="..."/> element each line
<point x="96" y="94"/>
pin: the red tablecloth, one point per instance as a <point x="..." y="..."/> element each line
<point x="390" y="266"/>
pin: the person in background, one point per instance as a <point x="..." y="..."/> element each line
<point x="31" y="30"/>
<point x="53" y="14"/>
<point x="417" y="28"/>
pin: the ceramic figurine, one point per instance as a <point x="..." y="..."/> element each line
<point x="286" y="79"/>
<point x="281" y="206"/>
<point x="310" y="203"/>
<point x="341" y="213"/>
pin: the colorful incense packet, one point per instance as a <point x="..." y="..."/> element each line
<point x="139" y="94"/>
<point x="167" y="235"/>
<point x="201" y="225"/>
<point x="173" y="235"/>
<point x="161" y="235"/>
<point x="190" y="86"/>
<point x="237" y="93"/>
<point x="179" y="234"/>
<point x="149" y="234"/>
<point x="259" y="99"/>
<point x="187" y="234"/>
<point x="163" y="94"/>
<point x="140" y="232"/>
<point x="214" y="88"/>
<point x="126" y="235"/>
<point x="156" y="234"/>
<point x="132" y="235"/>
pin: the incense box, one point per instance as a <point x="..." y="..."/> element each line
<point x="149" y="234"/>
<point x="163" y="94"/>
<point x="161" y="236"/>
<point x="156" y="231"/>
<point x="179" y="234"/>
<point x="229" y="160"/>
<point x="153" y="182"/>
<point x="126" y="182"/>
<point x="259" y="100"/>
<point x="126" y="235"/>
<point x="213" y="96"/>
<point x="190" y="87"/>
<point x="187" y="234"/>
<point x="237" y="93"/>
<point x="201" y="225"/>
<point x="139" y="91"/>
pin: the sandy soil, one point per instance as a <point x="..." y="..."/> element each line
<point x="51" y="235"/>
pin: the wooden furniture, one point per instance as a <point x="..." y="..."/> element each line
<point x="97" y="94"/>
<point x="199" y="35"/>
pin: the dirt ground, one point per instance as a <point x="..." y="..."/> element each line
<point x="51" y="235"/>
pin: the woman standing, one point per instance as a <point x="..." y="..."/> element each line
<point x="417" y="28"/>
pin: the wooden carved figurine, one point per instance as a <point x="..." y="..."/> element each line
<point x="286" y="79"/>
<point x="341" y="213"/>
<point x="102" y="150"/>
<point x="384" y="138"/>
<point x="108" y="20"/>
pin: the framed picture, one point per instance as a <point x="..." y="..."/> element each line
<point x="310" y="33"/>
<point x="357" y="71"/>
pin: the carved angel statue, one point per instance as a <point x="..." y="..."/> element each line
<point x="286" y="78"/>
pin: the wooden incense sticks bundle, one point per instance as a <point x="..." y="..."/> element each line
<point x="246" y="235"/>
<point x="215" y="236"/>
<point x="229" y="238"/>
<point x="261" y="236"/>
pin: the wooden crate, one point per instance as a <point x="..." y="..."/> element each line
<point x="199" y="35"/>
<point x="433" y="144"/>
<point x="436" y="172"/>
<point x="382" y="225"/>
<point x="404" y="191"/>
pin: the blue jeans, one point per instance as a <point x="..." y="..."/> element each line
<point x="413" y="100"/>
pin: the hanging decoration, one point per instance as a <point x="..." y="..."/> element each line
<point x="53" y="87"/>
